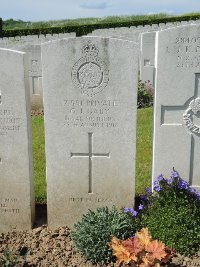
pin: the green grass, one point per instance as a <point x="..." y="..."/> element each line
<point x="39" y="158"/>
<point x="143" y="157"/>
<point x="144" y="149"/>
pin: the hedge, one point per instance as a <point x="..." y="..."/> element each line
<point x="1" y="27"/>
<point x="85" y="29"/>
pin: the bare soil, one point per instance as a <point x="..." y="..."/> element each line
<point x="54" y="248"/>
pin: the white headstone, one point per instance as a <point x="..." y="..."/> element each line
<point x="35" y="73"/>
<point x="147" y="57"/>
<point x="90" y="100"/>
<point x="16" y="166"/>
<point x="177" y="103"/>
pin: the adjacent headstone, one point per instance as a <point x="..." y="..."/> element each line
<point x="33" y="53"/>
<point x="35" y="75"/>
<point x="90" y="100"/>
<point x="16" y="166"/>
<point x="177" y="103"/>
<point x="147" y="57"/>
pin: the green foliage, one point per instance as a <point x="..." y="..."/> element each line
<point x="145" y="94"/>
<point x="83" y="29"/>
<point x="172" y="215"/>
<point x="11" y="24"/>
<point x="11" y="259"/>
<point x="95" y="230"/>
<point x="1" y="27"/>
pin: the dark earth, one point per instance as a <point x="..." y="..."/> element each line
<point x="54" y="248"/>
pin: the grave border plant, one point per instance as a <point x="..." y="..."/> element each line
<point x="94" y="231"/>
<point x="171" y="213"/>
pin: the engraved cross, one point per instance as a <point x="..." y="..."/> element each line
<point x="185" y="115"/>
<point x="90" y="155"/>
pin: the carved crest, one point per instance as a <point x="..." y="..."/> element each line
<point x="193" y="109"/>
<point x="90" y="74"/>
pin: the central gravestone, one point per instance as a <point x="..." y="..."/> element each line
<point x="90" y="101"/>
<point x="177" y="103"/>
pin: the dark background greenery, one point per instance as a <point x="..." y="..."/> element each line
<point x="84" y="26"/>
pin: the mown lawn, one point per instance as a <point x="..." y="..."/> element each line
<point x="39" y="158"/>
<point x="143" y="157"/>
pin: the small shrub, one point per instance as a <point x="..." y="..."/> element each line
<point x="145" y="94"/>
<point x="94" y="231"/>
<point x="14" y="259"/>
<point x="172" y="214"/>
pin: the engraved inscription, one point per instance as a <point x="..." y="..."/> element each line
<point x="186" y="50"/>
<point x="90" y="73"/>
<point x="8" y="205"/>
<point x="8" y="122"/>
<point x="91" y="113"/>
<point x="87" y="199"/>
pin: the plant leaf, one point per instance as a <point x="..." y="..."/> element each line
<point x="133" y="245"/>
<point x="169" y="254"/>
<point x="121" y="253"/>
<point x="145" y="263"/>
<point x="144" y="237"/>
<point x="156" y="250"/>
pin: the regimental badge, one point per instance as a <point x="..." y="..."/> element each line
<point x="90" y="74"/>
<point x="189" y="114"/>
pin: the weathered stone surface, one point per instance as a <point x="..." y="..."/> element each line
<point x="90" y="100"/>
<point x="35" y="74"/>
<point x="147" y="57"/>
<point x="31" y="45"/>
<point x="16" y="178"/>
<point x="177" y="103"/>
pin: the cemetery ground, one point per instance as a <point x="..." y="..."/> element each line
<point x="55" y="247"/>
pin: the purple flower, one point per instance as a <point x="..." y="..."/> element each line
<point x="135" y="213"/>
<point x="141" y="207"/>
<point x="183" y="184"/>
<point x="128" y="210"/>
<point x="155" y="183"/>
<point x="198" y="195"/>
<point x="192" y="190"/>
<point x="160" y="177"/>
<point x="143" y="197"/>
<point x="157" y="188"/>
<point x="148" y="190"/>
<point x="169" y="181"/>
<point x="175" y="174"/>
